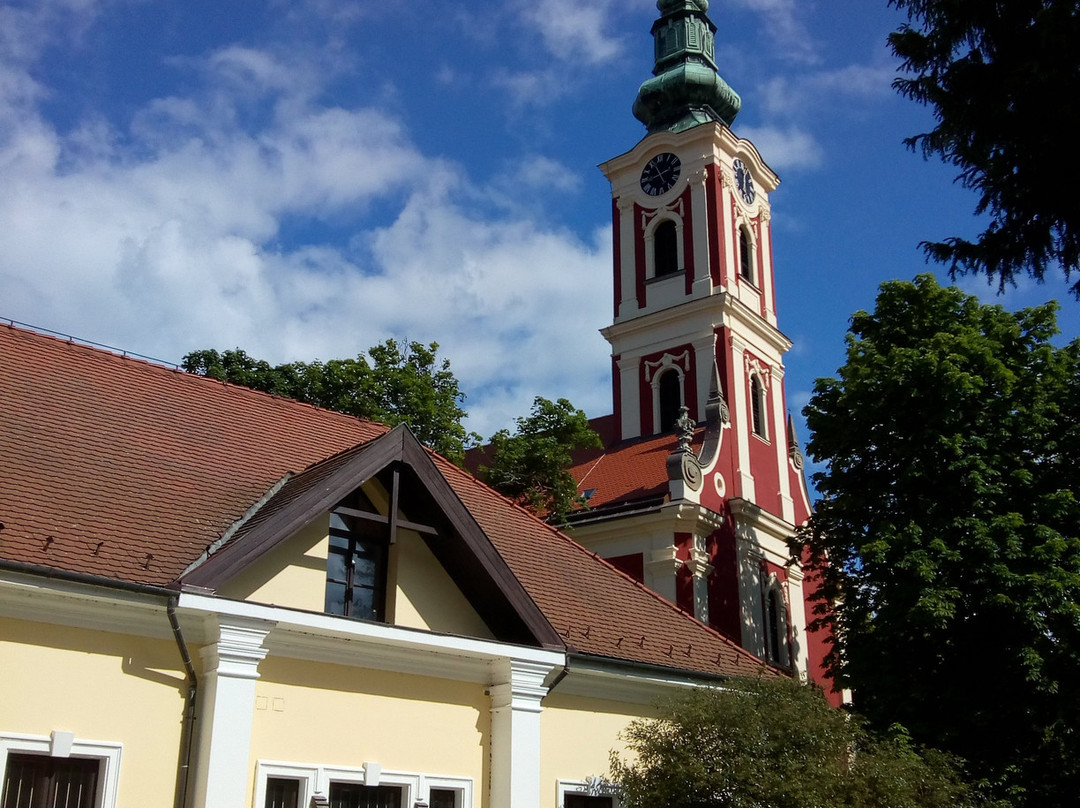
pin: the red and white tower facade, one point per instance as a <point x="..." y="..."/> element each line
<point x="701" y="481"/>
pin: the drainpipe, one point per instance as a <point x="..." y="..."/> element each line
<point x="188" y="723"/>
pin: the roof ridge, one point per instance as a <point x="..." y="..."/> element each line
<point x="176" y="370"/>
<point x="738" y="649"/>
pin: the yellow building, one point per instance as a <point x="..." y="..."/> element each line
<point x="211" y="596"/>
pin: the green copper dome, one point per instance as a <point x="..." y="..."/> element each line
<point x="685" y="89"/>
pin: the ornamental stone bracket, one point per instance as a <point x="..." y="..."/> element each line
<point x="698" y="563"/>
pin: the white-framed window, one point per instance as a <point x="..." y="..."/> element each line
<point x="592" y="792"/>
<point x="777" y="650"/>
<point x="88" y="771"/>
<point x="759" y="407"/>
<point x="747" y="256"/>
<point x="664" y="246"/>
<point x="292" y="785"/>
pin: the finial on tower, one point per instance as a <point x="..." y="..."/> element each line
<point x="685" y="89"/>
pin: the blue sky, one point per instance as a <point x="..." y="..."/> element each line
<point x="304" y="179"/>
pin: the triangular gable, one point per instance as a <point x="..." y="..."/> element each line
<point x="447" y="526"/>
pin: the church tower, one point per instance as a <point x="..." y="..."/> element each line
<point x="699" y="425"/>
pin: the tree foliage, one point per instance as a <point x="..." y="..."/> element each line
<point x="530" y="464"/>
<point x="402" y="382"/>
<point x="777" y="744"/>
<point x="1003" y="80"/>
<point x="948" y="531"/>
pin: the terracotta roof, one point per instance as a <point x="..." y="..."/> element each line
<point x="627" y="471"/>
<point x="597" y="609"/>
<point x="127" y="469"/>
<point x="121" y="468"/>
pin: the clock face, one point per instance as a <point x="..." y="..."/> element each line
<point x="660" y="174"/>
<point x="744" y="182"/>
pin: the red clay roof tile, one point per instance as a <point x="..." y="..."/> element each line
<point x="122" y="468"/>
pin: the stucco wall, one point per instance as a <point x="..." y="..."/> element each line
<point x="577" y="737"/>
<point x="323" y="714"/>
<point x="102" y="687"/>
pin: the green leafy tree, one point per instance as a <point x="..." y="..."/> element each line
<point x="401" y="383"/>
<point x="777" y="744"/>
<point x="530" y="465"/>
<point x="948" y="531"/>
<point x="1001" y="78"/>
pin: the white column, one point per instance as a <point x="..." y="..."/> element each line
<point x="515" y="734"/>
<point x="797" y="607"/>
<point x="728" y="267"/>
<point x="628" y="305"/>
<point x="768" y="281"/>
<point x="226" y="711"/>
<point x="780" y="442"/>
<point x="630" y="396"/>
<point x="704" y="360"/>
<point x="661" y="570"/>
<point x="741" y="417"/>
<point x="699" y="215"/>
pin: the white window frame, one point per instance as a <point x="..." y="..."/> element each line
<point x="60" y="744"/>
<point x="591" y="787"/>
<point x="316" y="780"/>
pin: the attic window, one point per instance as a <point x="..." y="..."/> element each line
<point x="356" y="567"/>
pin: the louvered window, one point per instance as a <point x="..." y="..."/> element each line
<point x="355" y="795"/>
<point x="39" y="781"/>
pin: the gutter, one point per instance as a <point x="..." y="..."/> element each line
<point x="171" y="597"/>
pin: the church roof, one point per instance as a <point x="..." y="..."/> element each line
<point x="127" y="470"/>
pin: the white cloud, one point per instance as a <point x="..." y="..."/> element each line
<point x="785" y="26"/>
<point x="790" y="94"/>
<point x="173" y="245"/>
<point x="575" y="31"/>
<point x="786" y="148"/>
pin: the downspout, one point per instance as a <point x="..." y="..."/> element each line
<point x="187" y="724"/>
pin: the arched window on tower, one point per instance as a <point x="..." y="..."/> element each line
<point x="746" y="256"/>
<point x="776" y="627"/>
<point x="757" y="406"/>
<point x="665" y="248"/>
<point x="670" y="389"/>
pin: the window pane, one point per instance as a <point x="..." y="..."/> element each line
<point x="335" y="598"/>
<point x="363" y="603"/>
<point x="282" y="792"/>
<point x="335" y="567"/>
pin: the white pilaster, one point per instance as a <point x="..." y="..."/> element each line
<point x="226" y="711"/>
<point x="728" y="267"/>
<point x="661" y="567"/>
<point x="780" y="442"/>
<point x="741" y="418"/>
<point x="765" y="245"/>
<point x="699" y="215"/>
<point x="704" y="359"/>
<point x="515" y="734"/>
<point x="797" y="608"/>
<point x="630" y="394"/>
<point x="628" y="304"/>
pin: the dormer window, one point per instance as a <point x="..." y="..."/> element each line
<point x="356" y="566"/>
<point x="665" y="248"/>
<point x="746" y="256"/>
